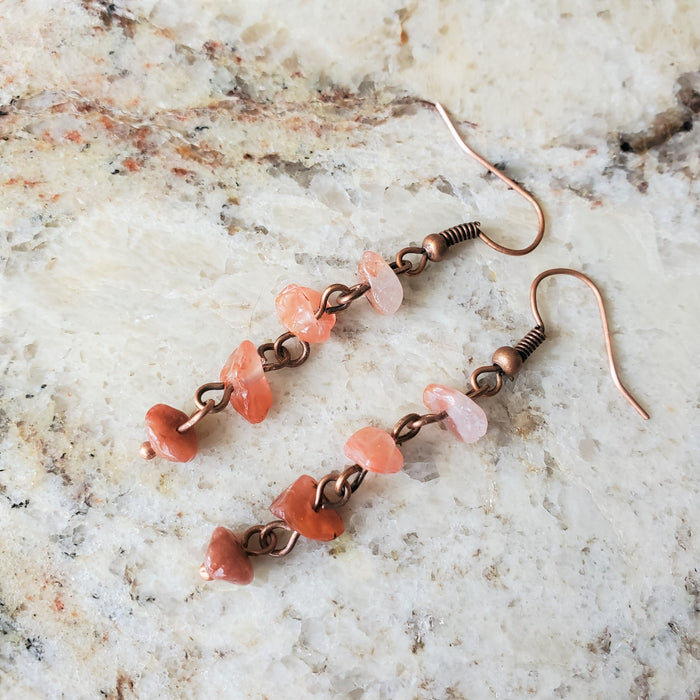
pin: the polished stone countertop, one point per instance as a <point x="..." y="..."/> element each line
<point x="167" y="168"/>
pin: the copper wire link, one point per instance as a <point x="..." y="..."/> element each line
<point x="400" y="269"/>
<point x="401" y="265"/>
<point x="283" y="551"/>
<point x="344" y="485"/>
<point x="323" y="307"/>
<point x="412" y="424"/>
<point x="196" y="416"/>
<point x="344" y="300"/>
<point x="268" y="539"/>
<point x="303" y="356"/>
<point x="356" y="473"/>
<point x="282" y="355"/>
<point x="214" y="386"/>
<point x="485" y="389"/>
<point x="265" y="546"/>
<point x="208" y="406"/>
<point x="428" y="418"/>
<point x="280" y="360"/>
<point x="322" y="500"/>
<point x="403" y="423"/>
<point x="346" y="295"/>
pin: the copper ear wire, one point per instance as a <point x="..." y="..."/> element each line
<point x="508" y="360"/>
<point x="511" y="184"/>
<point x="603" y="317"/>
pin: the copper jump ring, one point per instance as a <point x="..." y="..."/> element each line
<point x="278" y="362"/>
<point x="405" y="422"/>
<point x="268" y="531"/>
<point x="342" y="483"/>
<point x="323" y="501"/>
<point x="485" y="389"/>
<point x="281" y="351"/>
<point x="265" y="546"/>
<point x="402" y="265"/>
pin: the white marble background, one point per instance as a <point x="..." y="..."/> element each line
<point x="166" y="168"/>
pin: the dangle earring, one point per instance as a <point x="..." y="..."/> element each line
<point x="309" y="508"/>
<point x="309" y="316"/>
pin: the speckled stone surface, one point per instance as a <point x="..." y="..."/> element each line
<point x="167" y="168"/>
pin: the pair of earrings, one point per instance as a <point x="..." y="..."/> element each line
<point x="309" y="507"/>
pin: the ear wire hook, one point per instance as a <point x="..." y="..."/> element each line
<point x="603" y="316"/>
<point x="513" y="185"/>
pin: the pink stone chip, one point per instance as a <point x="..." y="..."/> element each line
<point x="296" y="307"/>
<point x="226" y="560"/>
<point x="385" y="291"/>
<point x="375" y="450"/>
<point x="465" y="418"/>
<point x="243" y="370"/>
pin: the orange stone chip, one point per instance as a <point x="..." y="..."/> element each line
<point x="226" y="560"/>
<point x="375" y="450"/>
<point x="296" y="307"/>
<point x="251" y="395"/>
<point x="295" y="506"/>
<point x="162" y="422"/>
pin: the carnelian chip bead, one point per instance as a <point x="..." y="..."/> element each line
<point x="244" y="371"/>
<point x="296" y="307"/>
<point x="162" y="422"/>
<point x="465" y="418"/>
<point x="374" y="450"/>
<point x="295" y="505"/>
<point x="226" y="560"/>
<point x="385" y="292"/>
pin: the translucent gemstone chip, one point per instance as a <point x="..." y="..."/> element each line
<point x="465" y="418"/>
<point x="385" y="291"/>
<point x="375" y="450"/>
<point x="296" y="307"/>
<point x="251" y="395"/>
